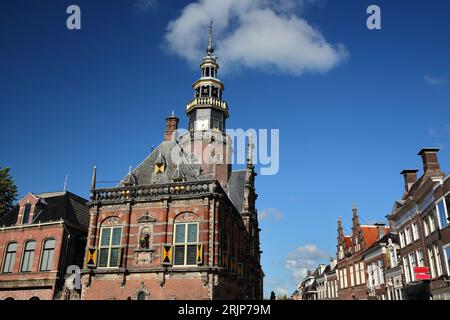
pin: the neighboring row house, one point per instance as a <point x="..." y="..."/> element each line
<point x="410" y="259"/>
<point x="351" y="267"/>
<point x="420" y="218"/>
<point x="40" y="238"/>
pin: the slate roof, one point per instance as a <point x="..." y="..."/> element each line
<point x="144" y="173"/>
<point x="54" y="206"/>
<point x="236" y="188"/>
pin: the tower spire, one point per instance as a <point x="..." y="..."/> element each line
<point x="210" y="49"/>
<point x="250" y="150"/>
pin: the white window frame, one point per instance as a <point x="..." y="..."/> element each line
<point x="446" y="257"/>
<point x="432" y="259"/>
<point x="445" y="213"/>
<point x="352" y="276"/>
<point x="185" y="243"/>
<point x="437" y="255"/>
<point x="345" y="278"/>
<point x="363" y="272"/>
<point x="381" y="270"/>
<point x="357" y="278"/>
<point x="431" y="222"/>
<point x="415" y="231"/>
<point x="110" y="246"/>
<point x="402" y="240"/>
<point x="420" y="258"/>
<point x="426" y="228"/>
<point x="412" y="258"/>
<point x="406" y="269"/>
<point x="408" y="236"/>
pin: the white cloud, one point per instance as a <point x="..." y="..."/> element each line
<point x="270" y="213"/>
<point x="435" y="81"/>
<point x="305" y="258"/>
<point x="256" y="34"/>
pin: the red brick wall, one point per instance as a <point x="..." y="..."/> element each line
<point x="21" y="236"/>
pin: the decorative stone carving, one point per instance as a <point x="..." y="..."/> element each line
<point x="187" y="217"/>
<point x="112" y="222"/>
<point x="144" y="251"/>
<point x="142" y="289"/>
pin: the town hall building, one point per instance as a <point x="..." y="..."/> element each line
<point x="179" y="225"/>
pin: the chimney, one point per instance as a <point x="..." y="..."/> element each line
<point x="410" y="176"/>
<point x="171" y="127"/>
<point x="429" y="159"/>
<point x="381" y="230"/>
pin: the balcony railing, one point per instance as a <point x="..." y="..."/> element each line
<point x="149" y="192"/>
<point x="207" y="101"/>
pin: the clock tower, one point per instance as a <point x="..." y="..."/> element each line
<point x="207" y="110"/>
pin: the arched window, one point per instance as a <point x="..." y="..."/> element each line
<point x="9" y="299"/>
<point x="10" y="257"/>
<point x="110" y="238"/>
<point x="26" y="213"/>
<point x="141" y="295"/>
<point x="28" y="256"/>
<point x="185" y="243"/>
<point x="47" y="255"/>
<point x="34" y="298"/>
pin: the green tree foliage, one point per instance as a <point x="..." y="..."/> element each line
<point x="8" y="191"/>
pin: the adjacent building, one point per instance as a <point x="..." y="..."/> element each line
<point x="420" y="217"/>
<point x="351" y="267"/>
<point x="326" y="282"/>
<point x="407" y="260"/>
<point x="40" y="238"/>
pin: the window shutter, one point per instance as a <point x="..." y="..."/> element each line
<point x="199" y="253"/>
<point x="233" y="265"/>
<point x="91" y="258"/>
<point x="166" y="256"/>
<point x="225" y="260"/>
<point x="240" y="270"/>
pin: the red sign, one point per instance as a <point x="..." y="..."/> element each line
<point x="422" y="273"/>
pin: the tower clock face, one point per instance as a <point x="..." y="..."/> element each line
<point x="202" y="124"/>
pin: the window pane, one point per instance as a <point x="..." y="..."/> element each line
<point x="44" y="261"/>
<point x="180" y="233"/>
<point x="141" y="295"/>
<point x="49" y="244"/>
<point x="117" y="232"/>
<point x="191" y="255"/>
<point x="106" y="235"/>
<point x="31" y="245"/>
<point x="9" y="262"/>
<point x="447" y="251"/>
<point x="442" y="216"/>
<point x="103" y="258"/>
<point x="192" y="232"/>
<point x="26" y="213"/>
<point x="12" y="247"/>
<point x="114" y="262"/>
<point x="27" y="261"/>
<point x="179" y="255"/>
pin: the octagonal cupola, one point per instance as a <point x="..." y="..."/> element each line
<point x="207" y="110"/>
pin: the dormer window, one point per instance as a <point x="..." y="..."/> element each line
<point x="26" y="213"/>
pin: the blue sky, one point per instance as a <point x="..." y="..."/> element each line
<point x="349" y="123"/>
